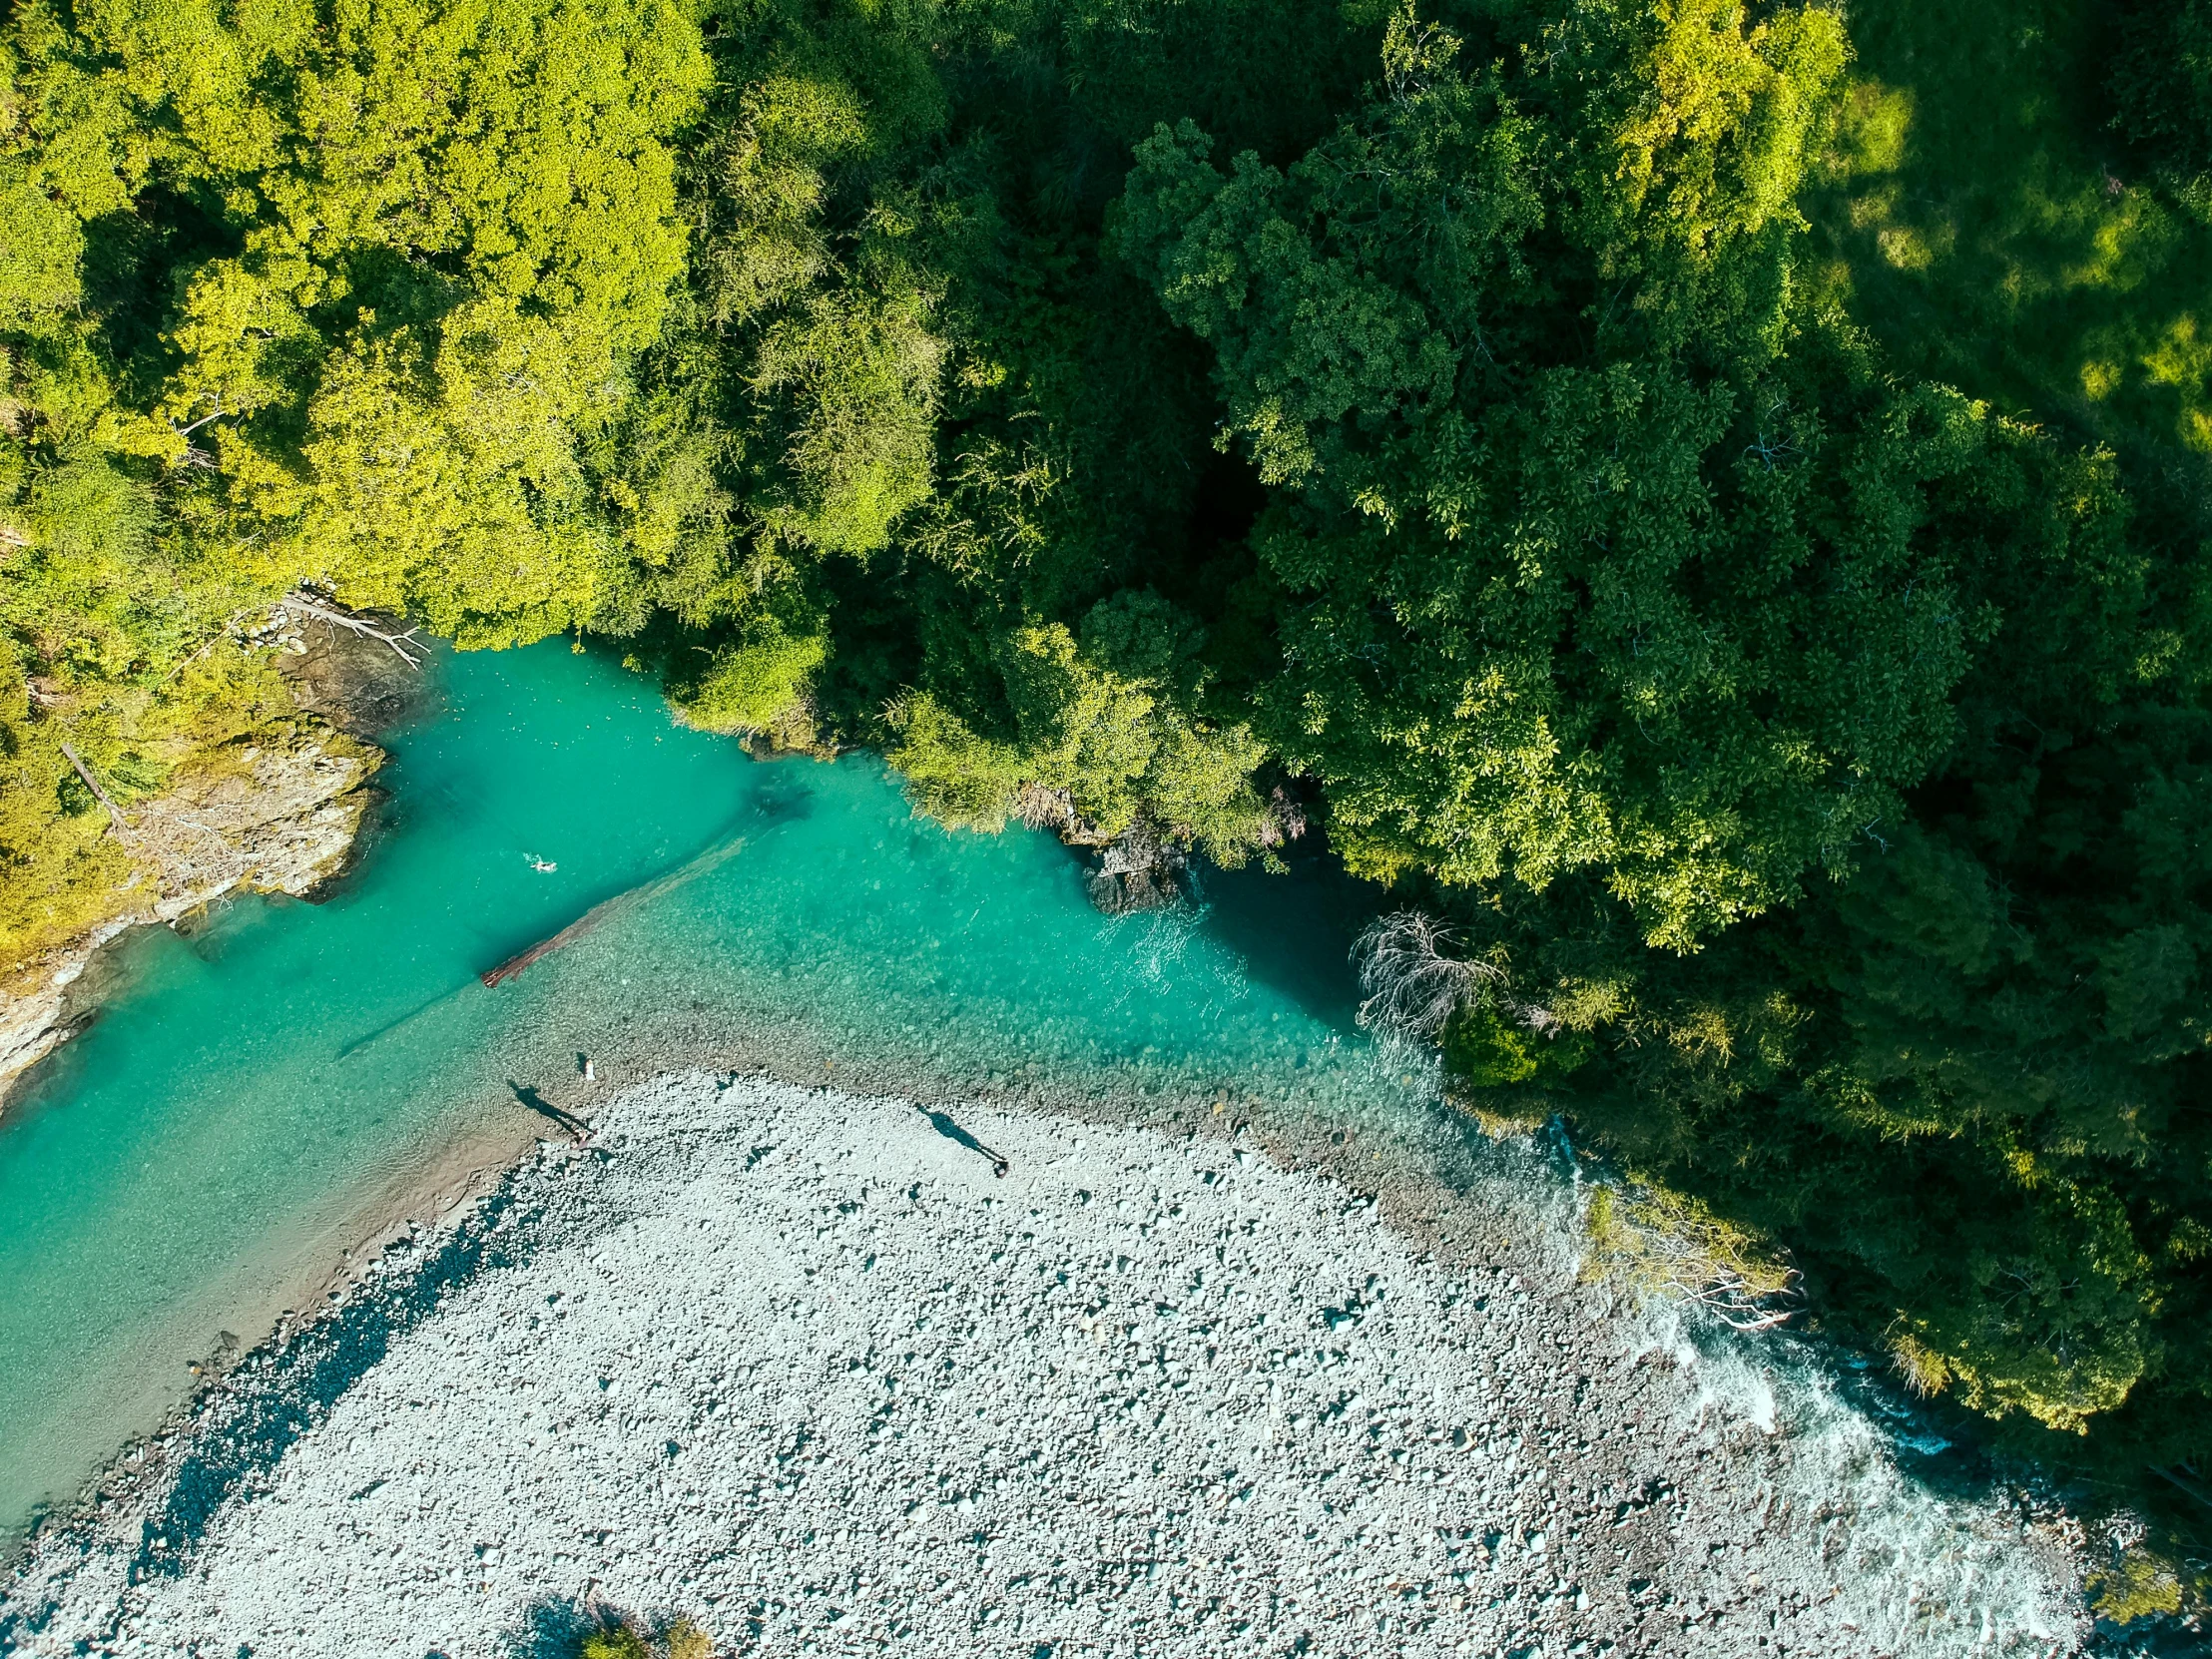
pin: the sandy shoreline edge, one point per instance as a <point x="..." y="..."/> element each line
<point x="1133" y="1345"/>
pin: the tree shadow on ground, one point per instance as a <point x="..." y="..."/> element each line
<point x="1984" y="219"/>
<point x="553" y="1628"/>
<point x="288" y="1386"/>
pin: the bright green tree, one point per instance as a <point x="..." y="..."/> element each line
<point x="298" y="294"/>
<point x="1559" y="599"/>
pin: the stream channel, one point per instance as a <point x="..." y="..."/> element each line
<point x="197" y="1161"/>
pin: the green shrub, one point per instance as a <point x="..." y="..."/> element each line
<point x="759" y="685"/>
<point x="679" y="1639"/>
<point x="1483" y="1049"/>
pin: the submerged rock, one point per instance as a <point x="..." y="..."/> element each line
<point x="1140" y="871"/>
<point x="356" y="683"/>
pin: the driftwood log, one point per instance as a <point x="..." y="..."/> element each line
<point x="405" y="646"/>
<point x="605" y="912"/>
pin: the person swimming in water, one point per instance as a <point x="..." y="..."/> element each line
<point x="544" y="866"/>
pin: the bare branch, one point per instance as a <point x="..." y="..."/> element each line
<point x="405" y="646"/>
<point x="2183" y="1477"/>
<point x="1694" y="1259"/>
<point x="1413" y="985"/>
<point x="230" y="624"/>
<point x="114" y="812"/>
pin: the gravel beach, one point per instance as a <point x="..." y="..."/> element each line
<point x="802" y="1366"/>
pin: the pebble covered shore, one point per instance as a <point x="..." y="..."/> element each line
<point x="800" y="1366"/>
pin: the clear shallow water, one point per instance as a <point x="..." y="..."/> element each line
<point x="225" y="1120"/>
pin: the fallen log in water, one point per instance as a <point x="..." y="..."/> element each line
<point x="575" y="930"/>
<point x="601" y="913"/>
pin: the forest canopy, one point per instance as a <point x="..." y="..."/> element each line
<point x="1709" y="503"/>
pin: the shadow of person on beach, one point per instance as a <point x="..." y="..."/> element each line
<point x="537" y="1103"/>
<point x="954" y="1132"/>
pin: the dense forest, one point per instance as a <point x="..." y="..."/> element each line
<point x="1710" y="502"/>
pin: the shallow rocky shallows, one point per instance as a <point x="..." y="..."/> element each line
<point x="800" y="1366"/>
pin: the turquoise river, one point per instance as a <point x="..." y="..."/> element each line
<point x="200" y="1155"/>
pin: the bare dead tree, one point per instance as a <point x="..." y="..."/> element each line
<point x="1045" y="808"/>
<point x="114" y="812"/>
<point x="1413" y="980"/>
<point x="1695" y="1261"/>
<point x="229" y="630"/>
<point x="2186" y="1478"/>
<point x="1727" y="1294"/>
<point x="405" y="646"/>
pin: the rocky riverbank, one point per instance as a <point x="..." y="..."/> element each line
<point x="280" y="812"/>
<point x="282" y="821"/>
<point x="806" y="1367"/>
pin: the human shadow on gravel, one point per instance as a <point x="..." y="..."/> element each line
<point x="952" y="1130"/>
<point x="284" y="1388"/>
<point x="569" y="1123"/>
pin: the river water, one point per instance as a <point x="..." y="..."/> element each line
<point x="230" y="1119"/>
